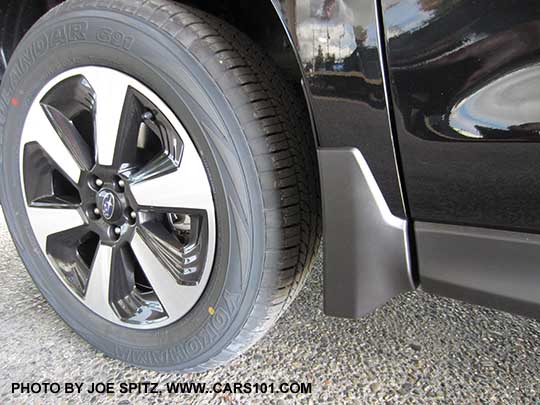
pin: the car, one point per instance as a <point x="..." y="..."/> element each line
<point x="170" y="167"/>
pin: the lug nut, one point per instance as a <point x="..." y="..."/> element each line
<point x="117" y="230"/>
<point x="97" y="212"/>
<point x="133" y="215"/>
<point x="99" y="182"/>
<point x="121" y="183"/>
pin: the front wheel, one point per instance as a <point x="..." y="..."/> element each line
<point x="159" y="180"/>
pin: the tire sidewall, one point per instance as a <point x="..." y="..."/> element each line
<point x="150" y="56"/>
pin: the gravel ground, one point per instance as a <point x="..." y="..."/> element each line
<point x="417" y="349"/>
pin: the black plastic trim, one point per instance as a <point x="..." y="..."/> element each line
<point x="489" y="267"/>
<point x="366" y="249"/>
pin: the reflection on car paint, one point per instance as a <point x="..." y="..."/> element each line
<point x="338" y="46"/>
<point x="508" y="108"/>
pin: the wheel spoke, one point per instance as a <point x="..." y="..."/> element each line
<point x="129" y="132"/>
<point x="44" y="183"/>
<point x="129" y="293"/>
<point x="71" y="137"/>
<point x="176" y="299"/>
<point x="184" y="262"/>
<point x="110" y="92"/>
<point x="187" y="187"/>
<point x="72" y="252"/>
<point x="157" y="167"/>
<point x="38" y="128"/>
<point x="48" y="221"/>
<point x="97" y="290"/>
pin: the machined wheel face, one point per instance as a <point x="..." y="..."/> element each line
<point x="118" y="197"/>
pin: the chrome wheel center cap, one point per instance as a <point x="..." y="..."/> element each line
<point x="109" y="205"/>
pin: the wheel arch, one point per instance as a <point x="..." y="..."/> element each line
<point x="274" y="36"/>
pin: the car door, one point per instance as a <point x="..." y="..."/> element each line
<point x="465" y="82"/>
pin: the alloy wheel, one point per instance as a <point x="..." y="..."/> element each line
<point x="118" y="197"/>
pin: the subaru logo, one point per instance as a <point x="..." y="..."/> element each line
<point x="108" y="205"/>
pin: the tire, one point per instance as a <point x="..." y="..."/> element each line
<point x="253" y="137"/>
